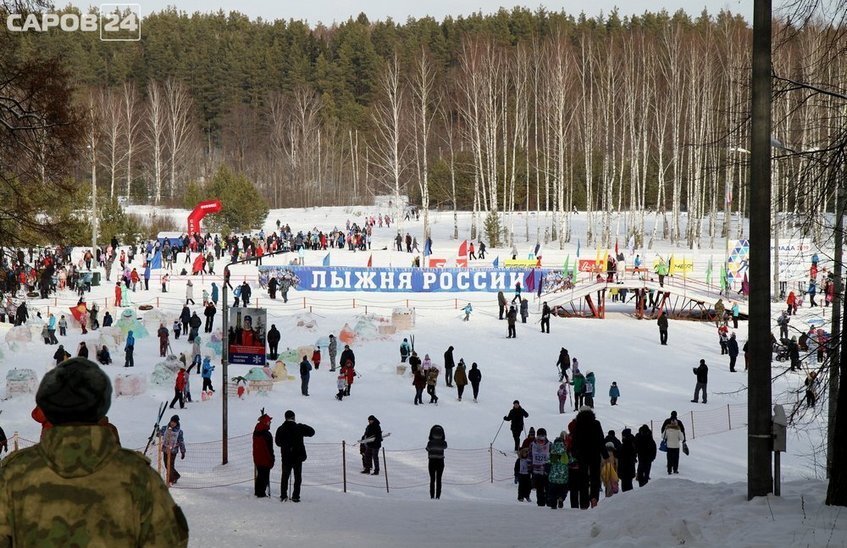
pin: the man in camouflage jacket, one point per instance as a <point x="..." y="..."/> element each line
<point x="78" y="487"/>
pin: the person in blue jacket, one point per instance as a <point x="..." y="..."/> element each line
<point x="206" y="373"/>
<point x="405" y="350"/>
<point x="129" y="349"/>
<point x="467" y="310"/>
<point x="214" y="295"/>
<point x="614" y="393"/>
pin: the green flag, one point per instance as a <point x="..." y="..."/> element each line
<point x="724" y="274"/>
<point x="709" y="272"/>
<point x="567" y="264"/>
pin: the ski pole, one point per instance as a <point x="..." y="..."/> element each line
<point x="498" y="432"/>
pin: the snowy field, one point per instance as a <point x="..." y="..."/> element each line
<point x="702" y="506"/>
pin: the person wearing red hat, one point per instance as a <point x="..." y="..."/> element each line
<point x="263" y="455"/>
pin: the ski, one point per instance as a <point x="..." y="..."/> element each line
<point x="155" y="431"/>
<point x="370" y="439"/>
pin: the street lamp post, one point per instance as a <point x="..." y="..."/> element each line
<point x="225" y="355"/>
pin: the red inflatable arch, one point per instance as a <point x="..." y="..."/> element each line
<point x="202" y="209"/>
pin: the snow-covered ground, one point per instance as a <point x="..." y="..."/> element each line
<point x="703" y="506"/>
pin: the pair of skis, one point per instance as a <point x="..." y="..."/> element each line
<point x="156" y="426"/>
<point x="371" y="439"/>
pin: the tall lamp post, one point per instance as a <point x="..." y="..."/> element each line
<point x="225" y="355"/>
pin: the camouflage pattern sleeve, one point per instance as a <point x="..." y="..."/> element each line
<point x="163" y="523"/>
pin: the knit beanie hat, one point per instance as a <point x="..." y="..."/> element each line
<point x="76" y="390"/>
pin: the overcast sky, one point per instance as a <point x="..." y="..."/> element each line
<point x="327" y="11"/>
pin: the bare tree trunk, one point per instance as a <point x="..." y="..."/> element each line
<point x="389" y="151"/>
<point x="131" y="123"/>
<point x="180" y="125"/>
<point x="423" y="84"/>
<point x="155" y="135"/>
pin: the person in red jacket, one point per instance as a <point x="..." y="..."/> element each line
<point x="179" y="389"/>
<point x="316" y="357"/>
<point x="351" y="372"/>
<point x="263" y="455"/>
<point x="118" y="294"/>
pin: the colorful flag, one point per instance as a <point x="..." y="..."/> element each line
<point x="326" y="260"/>
<point x="529" y="281"/>
<point x="724" y="281"/>
<point x="577" y="250"/>
<point x="616" y="248"/>
<point x="566" y="268"/>
<point x="670" y="266"/>
<point x="709" y="271"/>
<point x="463" y="249"/>
<point x="537" y="249"/>
<point x="496" y="263"/>
<point x="428" y="247"/>
<point x="540" y="283"/>
<point x="371" y="260"/>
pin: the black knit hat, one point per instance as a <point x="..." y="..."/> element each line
<point x="76" y="390"/>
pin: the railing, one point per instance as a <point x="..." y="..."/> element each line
<point x="339" y="464"/>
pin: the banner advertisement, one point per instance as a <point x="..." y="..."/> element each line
<point x="406" y="280"/>
<point x="246" y="337"/>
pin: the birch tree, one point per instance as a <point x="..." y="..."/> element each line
<point x="156" y="125"/>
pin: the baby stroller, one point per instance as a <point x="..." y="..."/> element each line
<point x="781" y="351"/>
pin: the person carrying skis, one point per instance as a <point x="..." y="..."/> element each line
<point x="371" y="442"/>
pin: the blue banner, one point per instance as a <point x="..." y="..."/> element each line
<point x="398" y="280"/>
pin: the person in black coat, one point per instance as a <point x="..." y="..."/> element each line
<point x="273" y="341"/>
<point x="184" y="318"/>
<point x="475" y="376"/>
<point x="289" y="439"/>
<point x="195" y="322"/>
<point x="435" y="456"/>
<point x="272" y="283"/>
<point x="21" y="314"/>
<point x="516" y="416"/>
<point x="545" y="318"/>
<point x="563" y="363"/>
<point x="702" y="372"/>
<point x="732" y="350"/>
<point x="627" y="456"/>
<point x="61" y="354"/>
<point x="589" y="448"/>
<point x="663" y="328"/>
<point x="107" y="320"/>
<point x="370" y="446"/>
<point x="245" y="294"/>
<point x="449" y="364"/>
<point x="645" y="448"/>
<point x="347" y="355"/>
<point x="209" y="312"/>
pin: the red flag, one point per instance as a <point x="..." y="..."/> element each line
<point x="371" y="260"/>
<point x="616" y="248"/>
<point x="463" y="249"/>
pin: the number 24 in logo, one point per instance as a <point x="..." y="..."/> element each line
<point x="120" y="22"/>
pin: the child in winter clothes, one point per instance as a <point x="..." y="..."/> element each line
<point x="589" y="389"/>
<point x="63" y="326"/>
<point x="341" y="383"/>
<point x="316" y="357"/>
<point x="557" y="490"/>
<point x="522" y="477"/>
<point x="563" y="396"/>
<point x="609" y="471"/>
<point x="540" y="453"/>
<point x="614" y="393"/>
<point x="177" y="329"/>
